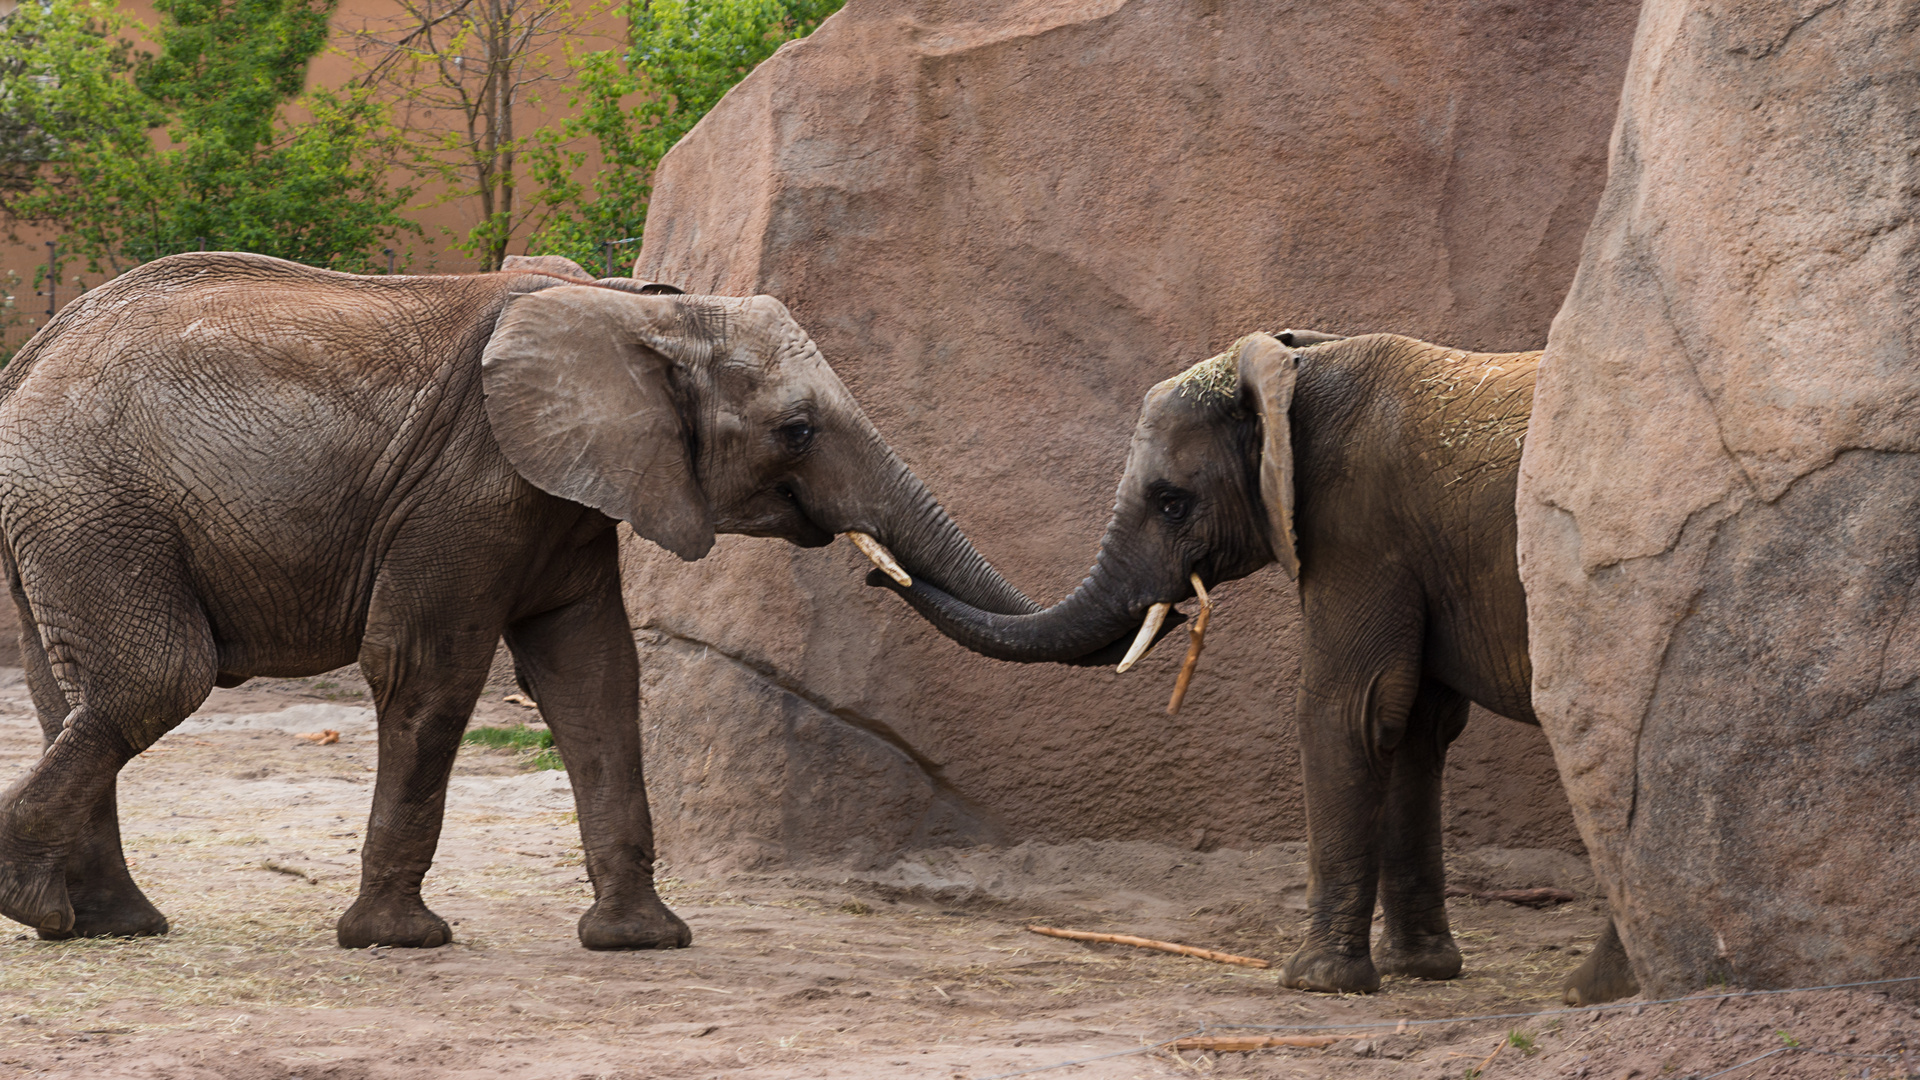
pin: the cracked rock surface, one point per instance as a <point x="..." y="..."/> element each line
<point x="1718" y="495"/>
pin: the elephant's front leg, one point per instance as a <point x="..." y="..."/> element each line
<point x="1351" y="717"/>
<point x="1415" y="939"/>
<point x="580" y="664"/>
<point x="425" y="679"/>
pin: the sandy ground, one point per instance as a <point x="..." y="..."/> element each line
<point x="247" y="837"/>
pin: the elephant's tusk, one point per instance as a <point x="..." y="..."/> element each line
<point x="1156" y="615"/>
<point x="882" y="558"/>
<point x="1197" y="640"/>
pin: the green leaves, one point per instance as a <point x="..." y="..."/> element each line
<point x="242" y="162"/>
<point x="211" y="142"/>
<point x="634" y="105"/>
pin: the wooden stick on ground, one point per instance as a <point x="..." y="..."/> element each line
<point x="1475" y="1074"/>
<point x="1524" y="897"/>
<point x="1236" y="1043"/>
<point x="1196" y="640"/>
<point x="1149" y="943"/>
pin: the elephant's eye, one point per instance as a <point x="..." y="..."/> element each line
<point x="796" y="436"/>
<point x="1175" y="507"/>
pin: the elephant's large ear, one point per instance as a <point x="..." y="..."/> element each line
<point x="1267" y="371"/>
<point x="581" y="399"/>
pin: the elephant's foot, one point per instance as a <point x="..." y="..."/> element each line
<point x="106" y="902"/>
<point x="1427" y="957"/>
<point x="1325" y="969"/>
<point x="643" y="922"/>
<point x="403" y="922"/>
<point x="33" y="882"/>
<point x="36" y="896"/>
<point x="1606" y="976"/>
<point x="104" y="912"/>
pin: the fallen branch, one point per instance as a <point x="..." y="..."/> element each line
<point x="1477" y="1073"/>
<point x="1196" y="640"/>
<point x="321" y="738"/>
<point x="1524" y="897"/>
<point x="521" y="700"/>
<point x="1149" y="943"/>
<point x="1240" y="1043"/>
<point x="290" y="871"/>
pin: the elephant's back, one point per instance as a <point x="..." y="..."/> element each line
<point x="246" y="389"/>
<point x="1420" y="410"/>
<point x="249" y="348"/>
<point x="204" y="314"/>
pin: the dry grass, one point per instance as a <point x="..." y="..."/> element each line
<point x="282" y="955"/>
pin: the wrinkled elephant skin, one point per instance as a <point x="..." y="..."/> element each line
<point x="1379" y="471"/>
<point x="219" y="466"/>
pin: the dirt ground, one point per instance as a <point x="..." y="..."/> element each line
<point x="247" y="838"/>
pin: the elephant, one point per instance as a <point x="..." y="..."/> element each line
<point x="223" y="465"/>
<point x="1378" y="471"/>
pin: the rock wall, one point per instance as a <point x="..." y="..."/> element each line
<point x="1718" y="499"/>
<point x="1003" y="221"/>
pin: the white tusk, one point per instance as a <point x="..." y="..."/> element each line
<point x="882" y="558"/>
<point x="1200" y="590"/>
<point x="1156" y="615"/>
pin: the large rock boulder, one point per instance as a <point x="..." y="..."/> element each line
<point x="1719" y="494"/>
<point x="1003" y="221"/>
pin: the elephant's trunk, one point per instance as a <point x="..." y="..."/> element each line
<point x="1092" y="625"/>
<point x="911" y="524"/>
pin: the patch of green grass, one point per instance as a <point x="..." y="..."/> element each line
<point x="536" y="743"/>
<point x="1522" y="1041"/>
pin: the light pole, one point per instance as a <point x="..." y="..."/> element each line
<point x="53" y="279"/>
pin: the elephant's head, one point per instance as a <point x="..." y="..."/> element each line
<point x="686" y="416"/>
<point x="1208" y="491"/>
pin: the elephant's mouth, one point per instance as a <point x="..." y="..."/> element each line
<point x="1116" y="652"/>
<point x="795" y="525"/>
<point x="775" y="515"/>
<point x="1154" y="622"/>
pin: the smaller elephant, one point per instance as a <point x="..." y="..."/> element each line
<point x="1379" y="472"/>
<point x="222" y="465"/>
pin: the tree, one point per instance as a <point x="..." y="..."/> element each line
<point x="70" y="116"/>
<point x="682" y="56"/>
<point x="459" y="71"/>
<point x="240" y="166"/>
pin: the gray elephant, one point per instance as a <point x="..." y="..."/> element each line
<point x="1379" y="471"/>
<point x="219" y="466"/>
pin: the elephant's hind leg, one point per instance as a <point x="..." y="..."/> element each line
<point x="1416" y="941"/>
<point x="106" y="902"/>
<point x="138" y="660"/>
<point x="1606" y="976"/>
